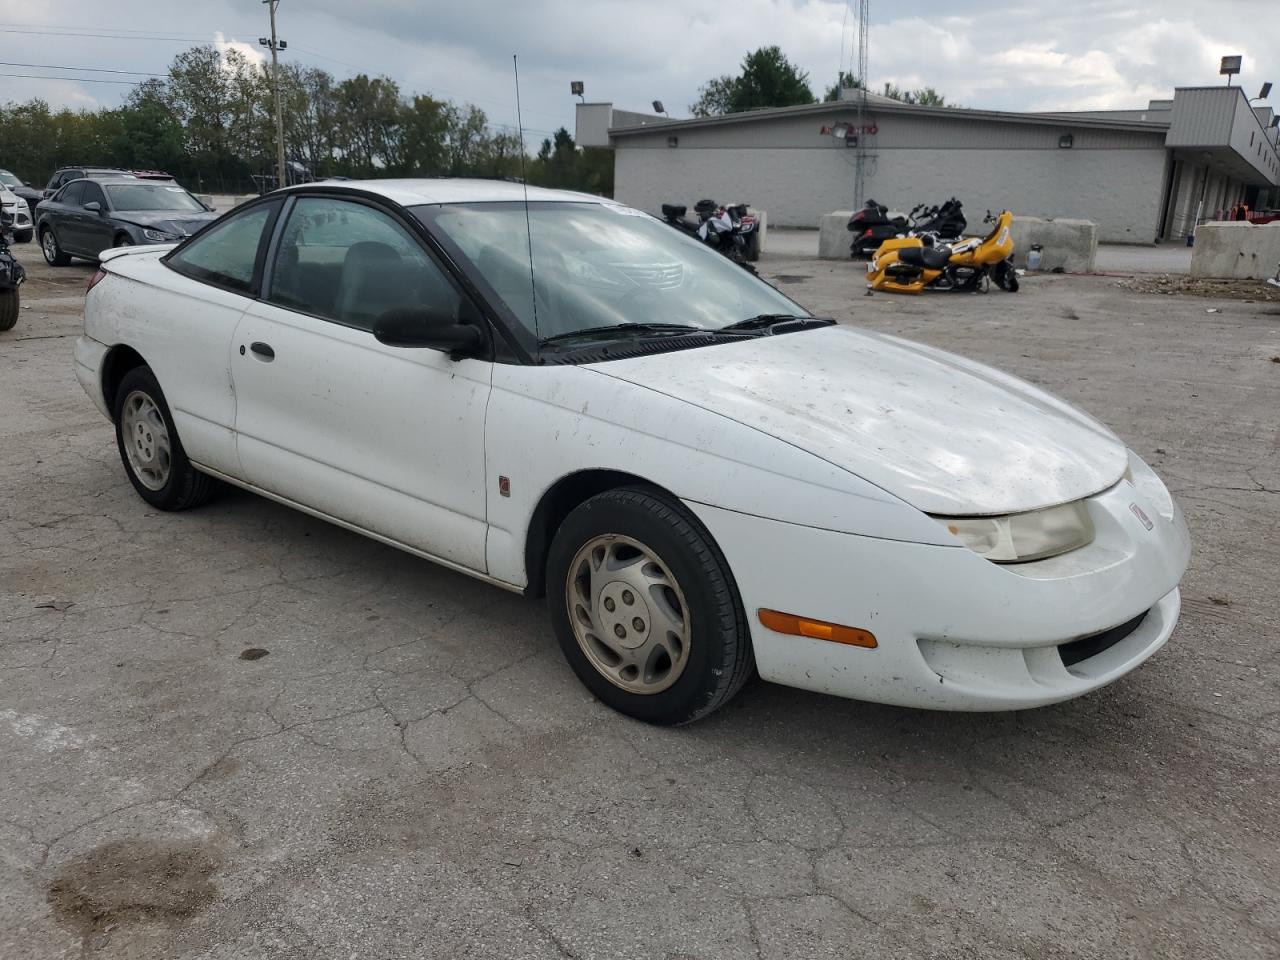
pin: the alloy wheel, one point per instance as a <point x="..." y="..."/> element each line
<point x="146" y="440"/>
<point x="628" y="614"/>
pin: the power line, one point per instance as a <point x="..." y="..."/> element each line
<point x="55" y="66"/>
<point x="105" y="36"/>
<point x="32" y="76"/>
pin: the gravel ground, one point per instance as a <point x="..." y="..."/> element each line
<point x="243" y="733"/>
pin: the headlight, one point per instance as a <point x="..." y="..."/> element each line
<point x="159" y="236"/>
<point x="1020" y="537"/>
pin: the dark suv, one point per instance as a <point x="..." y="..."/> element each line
<point x="64" y="175"/>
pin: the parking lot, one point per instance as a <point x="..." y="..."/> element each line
<point x="240" y="732"/>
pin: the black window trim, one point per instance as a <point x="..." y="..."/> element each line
<point x="282" y="223"/>
<point x="275" y="202"/>
<point x="503" y="346"/>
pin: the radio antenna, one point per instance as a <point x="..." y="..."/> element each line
<point x="524" y="180"/>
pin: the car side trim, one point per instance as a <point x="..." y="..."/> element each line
<point x="354" y="528"/>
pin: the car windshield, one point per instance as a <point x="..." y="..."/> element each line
<point x="600" y="265"/>
<point x="9" y="180"/>
<point x="151" y="196"/>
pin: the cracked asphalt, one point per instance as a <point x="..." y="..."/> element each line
<point x="411" y="771"/>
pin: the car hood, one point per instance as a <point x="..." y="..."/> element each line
<point x="943" y="433"/>
<point x="180" y="224"/>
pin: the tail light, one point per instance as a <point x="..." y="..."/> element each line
<point x="93" y="281"/>
<point x="867" y="233"/>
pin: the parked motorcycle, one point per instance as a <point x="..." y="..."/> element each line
<point x="872" y="225"/>
<point x="11" y="276"/>
<point x="732" y="229"/>
<point x="910" y="265"/>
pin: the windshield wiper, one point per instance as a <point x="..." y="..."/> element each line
<point x="765" y="321"/>
<point x="625" y="329"/>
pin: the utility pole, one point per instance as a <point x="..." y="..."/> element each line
<point x="276" y="46"/>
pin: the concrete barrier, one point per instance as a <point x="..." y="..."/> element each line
<point x="1071" y="245"/>
<point x="1236" y="250"/>
<point x="834" y="238"/>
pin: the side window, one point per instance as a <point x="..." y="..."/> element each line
<point x="72" y="193"/>
<point x="351" y="263"/>
<point x="225" y="255"/>
<point x="91" y="193"/>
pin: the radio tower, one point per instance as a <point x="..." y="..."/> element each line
<point x="860" y="161"/>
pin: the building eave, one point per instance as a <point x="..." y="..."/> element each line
<point x="879" y="106"/>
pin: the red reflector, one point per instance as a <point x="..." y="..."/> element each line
<point x="93" y="281"/>
<point x="868" y="233"/>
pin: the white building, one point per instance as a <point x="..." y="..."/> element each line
<point x="1141" y="175"/>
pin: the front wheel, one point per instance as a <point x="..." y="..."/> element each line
<point x="152" y="454"/>
<point x="53" y="254"/>
<point x="753" y="246"/>
<point x="122" y="240"/>
<point x="645" y="609"/>
<point x="1007" y="276"/>
<point x="8" y="308"/>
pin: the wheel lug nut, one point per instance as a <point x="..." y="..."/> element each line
<point x="638" y="623"/>
<point x="628" y="597"/>
<point x="609" y="604"/>
<point x="620" y="630"/>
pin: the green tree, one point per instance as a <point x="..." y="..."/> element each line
<point x="768" y="79"/>
<point x="368" y="117"/>
<point x="845" y="81"/>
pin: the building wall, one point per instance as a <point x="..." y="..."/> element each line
<point x="1119" y="189"/>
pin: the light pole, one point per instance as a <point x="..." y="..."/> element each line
<point x="276" y="46"/>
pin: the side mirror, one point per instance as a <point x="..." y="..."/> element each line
<point x="405" y="327"/>
<point x="93" y="206"/>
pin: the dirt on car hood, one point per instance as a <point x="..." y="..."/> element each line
<point x="945" y="434"/>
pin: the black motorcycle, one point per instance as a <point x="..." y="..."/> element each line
<point x="730" y="230"/>
<point x="872" y="225"/>
<point x="11" y="276"/>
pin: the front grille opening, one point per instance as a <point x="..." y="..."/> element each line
<point x="1086" y="647"/>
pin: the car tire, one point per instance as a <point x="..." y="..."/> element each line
<point x="8" y="309"/>
<point x="679" y="647"/>
<point x="24" y="237"/>
<point x="122" y="240"/>
<point x="150" y="449"/>
<point x="51" y="249"/>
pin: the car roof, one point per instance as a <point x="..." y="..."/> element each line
<point x="414" y="192"/>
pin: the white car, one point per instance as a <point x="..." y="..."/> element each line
<point x="17" y="210"/>
<point x="564" y="396"/>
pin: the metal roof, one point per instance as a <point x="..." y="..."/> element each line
<point x="881" y="104"/>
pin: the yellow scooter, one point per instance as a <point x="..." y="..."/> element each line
<point x="911" y="265"/>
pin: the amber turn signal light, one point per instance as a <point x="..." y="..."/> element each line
<point x="817" y="629"/>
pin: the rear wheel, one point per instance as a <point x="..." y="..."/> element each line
<point x="53" y="254"/>
<point x="753" y="246"/>
<point x="645" y="608"/>
<point x="8" y="308"/>
<point x="149" y="447"/>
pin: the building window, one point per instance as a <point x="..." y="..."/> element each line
<point x="1065" y="141"/>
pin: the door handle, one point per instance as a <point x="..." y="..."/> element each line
<point x="262" y="351"/>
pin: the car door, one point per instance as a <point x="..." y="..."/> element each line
<point x="63" y="212"/>
<point x="388" y="439"/>
<point x="97" y="232"/>
<point x="185" y="331"/>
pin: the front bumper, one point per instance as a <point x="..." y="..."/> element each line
<point x="955" y="631"/>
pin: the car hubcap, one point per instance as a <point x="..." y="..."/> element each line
<point x="628" y="614"/>
<point x="50" y="246"/>
<point x="146" y="440"/>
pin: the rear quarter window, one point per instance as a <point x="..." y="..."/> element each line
<point x="227" y="255"/>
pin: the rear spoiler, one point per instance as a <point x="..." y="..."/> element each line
<point x="114" y="252"/>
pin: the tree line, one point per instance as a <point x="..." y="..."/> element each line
<point x="768" y="79"/>
<point x="211" y="123"/>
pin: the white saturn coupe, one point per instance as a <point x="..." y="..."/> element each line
<point x="566" y="397"/>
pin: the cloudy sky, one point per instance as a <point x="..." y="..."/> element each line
<point x="1015" y="55"/>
